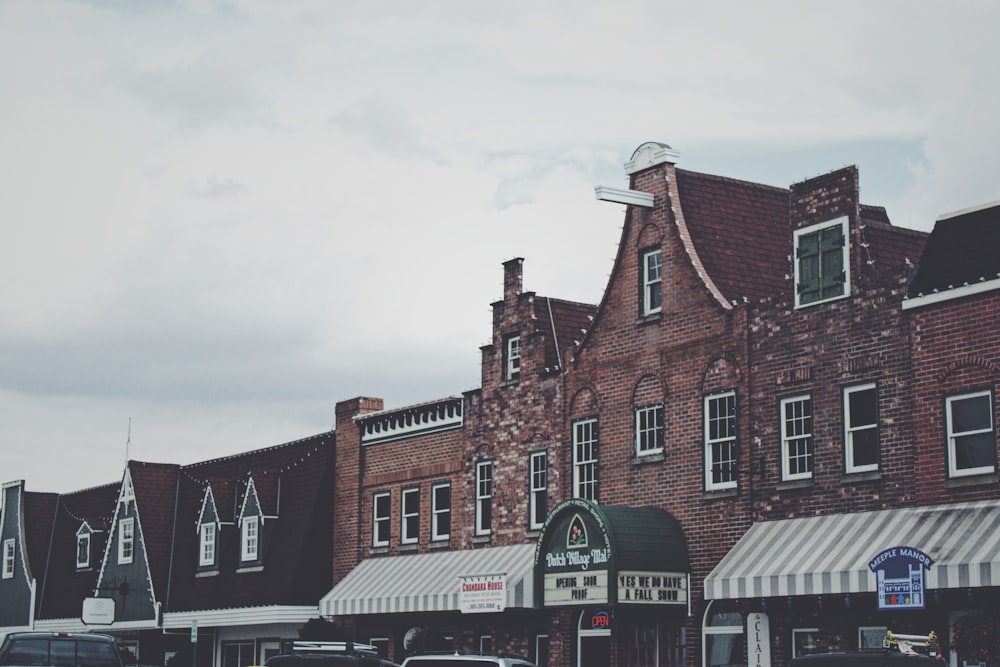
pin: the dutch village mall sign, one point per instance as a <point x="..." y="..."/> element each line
<point x="576" y="560"/>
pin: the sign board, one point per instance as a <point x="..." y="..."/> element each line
<point x="899" y="572"/>
<point x="98" y="611"/>
<point x="758" y="640"/>
<point x="482" y="593"/>
<point x="564" y="588"/>
<point x="652" y="587"/>
<point x="576" y="563"/>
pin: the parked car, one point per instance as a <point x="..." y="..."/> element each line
<point x="60" y="649"/>
<point x="457" y="659"/>
<point x="330" y="654"/>
<point x="866" y="658"/>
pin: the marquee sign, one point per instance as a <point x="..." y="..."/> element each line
<point x="900" y="575"/>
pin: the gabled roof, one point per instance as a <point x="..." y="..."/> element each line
<point x="155" y="486"/>
<point x="294" y="482"/>
<point x="63" y="587"/>
<point x="961" y="251"/>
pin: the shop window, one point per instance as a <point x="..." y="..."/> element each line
<point x="238" y="654"/>
<point x="381" y="521"/>
<point x="796" y="438"/>
<point x="971" y="439"/>
<point x="538" y="483"/>
<point x="871" y="636"/>
<point x="585" y="459"/>
<point x="720" y="441"/>
<point x="724" y="642"/>
<point x="805" y="641"/>
<point x="861" y="428"/>
<point x="642" y="644"/>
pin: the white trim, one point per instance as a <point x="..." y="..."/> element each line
<point x="650" y="284"/>
<point x="622" y="196"/>
<point x="707" y="442"/>
<point x="482" y="498"/>
<point x="964" y="211"/>
<point x="849" y="466"/>
<point x="123" y="558"/>
<point x="951" y="294"/>
<point x="654" y="432"/>
<point x="377" y="518"/>
<point x="246" y="553"/>
<point x="404" y="535"/>
<point x="786" y="474"/>
<point x="242" y="616"/>
<point x="953" y="470"/>
<point x="437" y="511"/>
<point x="9" y="558"/>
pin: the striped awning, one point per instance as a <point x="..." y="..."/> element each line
<point x="830" y="554"/>
<point x="429" y="582"/>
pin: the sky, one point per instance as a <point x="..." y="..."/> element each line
<point x="220" y="218"/>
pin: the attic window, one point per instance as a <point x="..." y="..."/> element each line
<point x="512" y="358"/>
<point x="652" y="278"/>
<point x="250" y="538"/>
<point x="83" y="547"/>
<point x="821" y="262"/>
<point x="8" y="558"/>
<point x="206" y="549"/>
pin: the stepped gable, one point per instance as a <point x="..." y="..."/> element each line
<point x="294" y="483"/>
<point x="740" y="231"/>
<point x="64" y="585"/>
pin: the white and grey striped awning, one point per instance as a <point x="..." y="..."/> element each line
<point x="429" y="582"/>
<point x="830" y="554"/>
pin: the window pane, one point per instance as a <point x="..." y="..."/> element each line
<point x="970" y="414"/>
<point x="863" y="406"/>
<point x="974" y="451"/>
<point x="864" y="446"/>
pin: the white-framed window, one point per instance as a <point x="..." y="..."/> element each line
<point x="538" y="489"/>
<point x="652" y="278"/>
<point x="440" y="511"/>
<point x="83" y="547"/>
<point x="861" y="428"/>
<point x="723" y="638"/>
<point x="381" y="518"/>
<point x="249" y="538"/>
<point x="971" y="437"/>
<point x="720" y="441"/>
<point x="804" y="641"/>
<point x="796" y="438"/>
<point x="822" y="269"/>
<point x="484" y="497"/>
<point x="126" y="540"/>
<point x="649" y="430"/>
<point x="871" y="636"/>
<point x="409" y="516"/>
<point x="206" y="549"/>
<point x="512" y="358"/>
<point x="585" y="459"/>
<point x="9" y="551"/>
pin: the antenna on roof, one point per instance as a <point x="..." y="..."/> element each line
<point x="128" y="440"/>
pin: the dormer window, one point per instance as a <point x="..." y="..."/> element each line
<point x="206" y="549"/>
<point x="652" y="279"/>
<point x="126" y="541"/>
<point x="83" y="547"/>
<point x="250" y="538"/>
<point x="821" y="262"/>
<point x="512" y="358"/>
<point x="9" y="550"/>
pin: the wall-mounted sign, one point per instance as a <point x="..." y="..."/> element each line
<point x="899" y="572"/>
<point x="758" y="640"/>
<point x="482" y="593"/>
<point x="576" y="562"/>
<point x="600" y="620"/>
<point x="98" y="611"/>
<point x="652" y="587"/>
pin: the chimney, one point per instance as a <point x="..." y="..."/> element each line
<point x="512" y="274"/>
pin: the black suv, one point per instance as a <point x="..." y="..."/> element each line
<point x="60" y="649"/>
<point x="866" y="658"/>
<point x="330" y="654"/>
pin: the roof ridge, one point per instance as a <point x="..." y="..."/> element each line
<point x="728" y="179"/>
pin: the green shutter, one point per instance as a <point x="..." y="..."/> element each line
<point x="807" y="253"/>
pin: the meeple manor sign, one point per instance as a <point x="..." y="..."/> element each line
<point x="899" y="573"/>
<point x="576" y="563"/>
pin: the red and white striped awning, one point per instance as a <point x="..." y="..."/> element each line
<point x="830" y="554"/>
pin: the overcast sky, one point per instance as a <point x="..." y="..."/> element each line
<point x="221" y="218"/>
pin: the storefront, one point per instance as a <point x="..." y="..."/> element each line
<point x="844" y="580"/>
<point x="622" y="574"/>
<point x="473" y="599"/>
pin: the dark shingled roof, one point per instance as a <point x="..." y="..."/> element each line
<point x="568" y="319"/>
<point x="962" y="248"/>
<point x="740" y="231"/>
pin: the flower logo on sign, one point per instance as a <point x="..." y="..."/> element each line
<point x="576" y="538"/>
